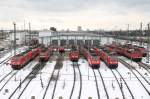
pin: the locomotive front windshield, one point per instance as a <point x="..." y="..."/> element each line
<point x="94" y="54"/>
<point x="16" y="58"/>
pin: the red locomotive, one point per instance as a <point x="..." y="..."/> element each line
<point x="128" y="51"/>
<point x="112" y="47"/>
<point x="74" y="55"/>
<point x="92" y="58"/>
<point x="141" y="50"/>
<point x="61" y="49"/>
<point x="133" y="54"/>
<point x="20" y="60"/>
<point x="120" y="50"/>
<point x="109" y="58"/>
<point x="45" y="54"/>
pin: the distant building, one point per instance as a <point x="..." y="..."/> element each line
<point x="45" y="33"/>
<point x="79" y="28"/>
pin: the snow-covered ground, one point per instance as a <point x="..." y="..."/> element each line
<point x="64" y="85"/>
<point x="65" y="82"/>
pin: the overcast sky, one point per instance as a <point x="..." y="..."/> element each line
<point x="63" y="14"/>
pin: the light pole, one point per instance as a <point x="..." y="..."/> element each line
<point x="14" y="38"/>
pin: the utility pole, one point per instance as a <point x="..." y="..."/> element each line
<point x="141" y="26"/>
<point x="24" y="25"/>
<point x="119" y="36"/>
<point x="128" y="33"/>
<point x="115" y="33"/>
<point x="25" y="33"/>
<point x="141" y="42"/>
<point x="148" y="42"/>
<point x="14" y="38"/>
<point x="99" y="39"/>
<point x="59" y="43"/>
<point x="29" y="32"/>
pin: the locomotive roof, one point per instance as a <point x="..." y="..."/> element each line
<point x="74" y="48"/>
<point x="92" y="52"/>
<point x="22" y="53"/>
<point x="138" y="46"/>
<point x="44" y="49"/>
<point x="110" y="53"/>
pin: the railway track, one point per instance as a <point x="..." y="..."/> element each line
<point x="145" y="66"/>
<point x="80" y="90"/>
<point x="30" y="76"/>
<point x="142" y="76"/>
<point x="74" y="79"/>
<point x="58" y="65"/>
<point x="6" y="76"/>
<point x="123" y="96"/>
<point x="103" y="84"/>
<point x="98" y="93"/>
<point x="13" y="72"/>
<point x="49" y="82"/>
<point x="80" y="82"/>
<point x="125" y="84"/>
<point x="6" y="60"/>
<point x="8" y="79"/>
<point x="55" y="84"/>
<point x="131" y="68"/>
<point x="59" y="62"/>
